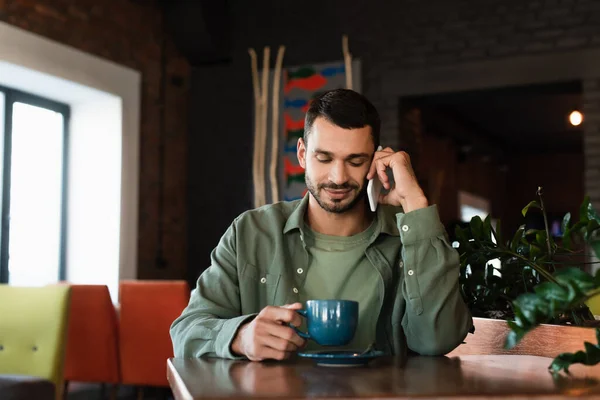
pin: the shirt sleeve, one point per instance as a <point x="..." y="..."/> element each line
<point x="209" y="323"/>
<point x="436" y="319"/>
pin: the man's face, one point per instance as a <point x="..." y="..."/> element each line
<point x="336" y="163"/>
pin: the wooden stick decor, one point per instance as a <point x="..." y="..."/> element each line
<point x="275" y="127"/>
<point x="261" y="108"/>
<point x="257" y="106"/>
<point x="347" y="61"/>
<point x="262" y="143"/>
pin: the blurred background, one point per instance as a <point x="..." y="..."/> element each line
<point x="128" y="126"/>
<point x="479" y="92"/>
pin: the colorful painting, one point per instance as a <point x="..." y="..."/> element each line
<point x="300" y="85"/>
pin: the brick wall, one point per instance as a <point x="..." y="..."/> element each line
<point x="591" y="140"/>
<point x="435" y="33"/>
<point x="130" y="33"/>
<point x="411" y="34"/>
<point x="387" y="36"/>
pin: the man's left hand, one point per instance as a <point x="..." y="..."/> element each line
<point x="406" y="191"/>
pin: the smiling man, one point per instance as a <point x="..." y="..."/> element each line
<point x="397" y="262"/>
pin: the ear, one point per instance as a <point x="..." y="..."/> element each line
<point x="301" y="152"/>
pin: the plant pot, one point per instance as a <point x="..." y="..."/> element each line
<point x="545" y="340"/>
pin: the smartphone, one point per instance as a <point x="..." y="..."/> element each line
<point x="374" y="187"/>
<point x="373" y="190"/>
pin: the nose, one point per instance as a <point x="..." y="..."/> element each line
<point x="338" y="174"/>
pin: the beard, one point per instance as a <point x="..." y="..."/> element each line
<point x="337" y="206"/>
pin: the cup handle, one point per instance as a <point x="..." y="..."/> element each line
<point x="298" y="331"/>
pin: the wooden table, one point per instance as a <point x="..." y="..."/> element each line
<point x="21" y="387"/>
<point x="469" y="377"/>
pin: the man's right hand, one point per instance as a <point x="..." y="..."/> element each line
<point x="268" y="336"/>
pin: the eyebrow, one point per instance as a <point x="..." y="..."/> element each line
<point x="349" y="157"/>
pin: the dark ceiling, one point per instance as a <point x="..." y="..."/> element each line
<point x="525" y="119"/>
<point x="201" y="29"/>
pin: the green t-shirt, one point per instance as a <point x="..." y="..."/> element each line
<point x="339" y="269"/>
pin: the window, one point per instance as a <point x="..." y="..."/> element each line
<point x="471" y="206"/>
<point x="33" y="186"/>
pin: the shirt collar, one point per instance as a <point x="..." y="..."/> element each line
<point x="296" y="218"/>
<point x="386" y="218"/>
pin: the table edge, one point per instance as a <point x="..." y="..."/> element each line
<point x="178" y="387"/>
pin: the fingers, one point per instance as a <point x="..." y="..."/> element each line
<point x="270" y="353"/>
<point x="282" y="314"/>
<point x="378" y="168"/>
<point x="379" y="164"/>
<point x="280" y="344"/>
<point x="286" y="333"/>
<point x="372" y="168"/>
<point x="294" y="306"/>
<point x="269" y="336"/>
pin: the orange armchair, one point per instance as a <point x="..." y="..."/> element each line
<point x="92" y="353"/>
<point x="147" y="309"/>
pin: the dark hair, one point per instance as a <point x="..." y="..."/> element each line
<point x="345" y="108"/>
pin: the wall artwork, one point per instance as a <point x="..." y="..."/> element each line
<point x="281" y="98"/>
<point x="300" y="85"/>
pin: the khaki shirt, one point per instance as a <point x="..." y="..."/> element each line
<point x="256" y="264"/>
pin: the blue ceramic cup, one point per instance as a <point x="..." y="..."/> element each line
<point x="330" y="322"/>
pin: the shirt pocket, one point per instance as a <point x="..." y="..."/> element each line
<point x="260" y="286"/>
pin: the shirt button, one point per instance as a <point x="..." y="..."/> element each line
<point x="299" y="270"/>
<point x="263" y="280"/>
<point x="401" y="264"/>
<point x="411" y="272"/>
<point x="295" y="290"/>
<point x="405" y="228"/>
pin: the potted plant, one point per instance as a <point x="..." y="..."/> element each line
<point x="533" y="278"/>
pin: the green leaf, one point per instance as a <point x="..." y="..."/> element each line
<point x="517" y="238"/>
<point x="534" y="251"/>
<point x="566" y="239"/>
<point x="583" y="209"/>
<point x="571" y="273"/>
<point x="514" y="336"/>
<point x="592" y="351"/>
<point x="487" y="228"/>
<point x="592" y="226"/>
<point x="531" y="232"/>
<point x="540" y="238"/>
<point x="587" y="212"/>
<point x="597" y="279"/>
<point x="498" y="233"/>
<point x="591" y="356"/>
<point x="531" y="309"/>
<point x="565" y="222"/>
<point x="581" y="280"/>
<point x="595" y="245"/>
<point x="550" y="299"/>
<point x="531" y="204"/>
<point x="560" y="363"/>
<point x="476" y="227"/>
<point x="551" y="291"/>
<point x="593" y="214"/>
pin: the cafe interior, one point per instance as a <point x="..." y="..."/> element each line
<point x="173" y="117"/>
